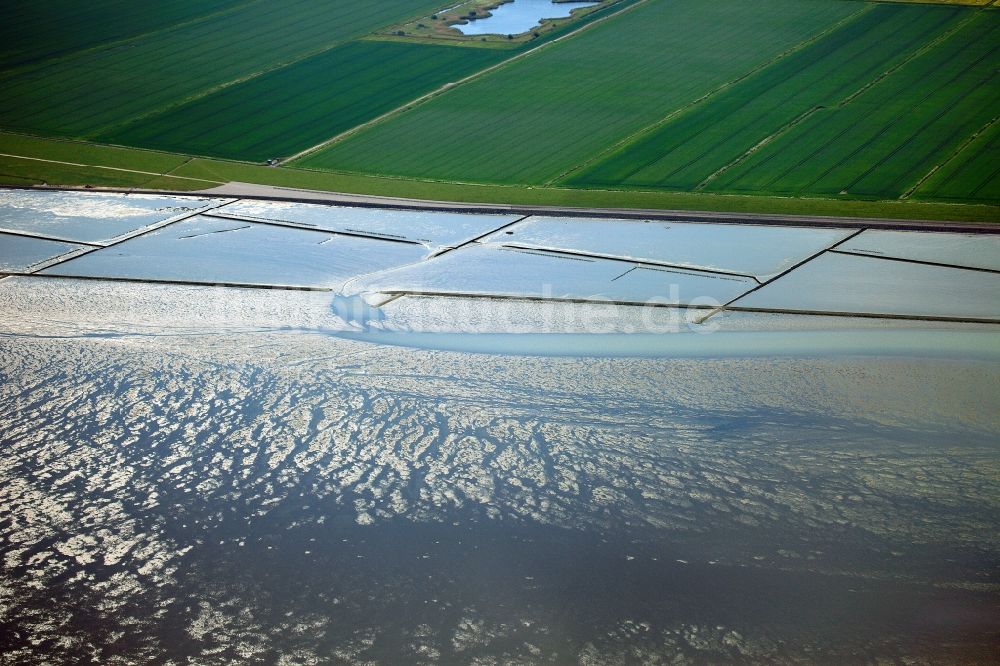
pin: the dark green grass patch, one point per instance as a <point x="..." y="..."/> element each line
<point x="18" y="171"/>
<point x="97" y="90"/>
<point x="687" y="151"/>
<point x="530" y="120"/>
<point x="32" y="30"/>
<point x="285" y="111"/>
<point x="885" y="140"/>
<point x="59" y="150"/>
<point x="972" y="175"/>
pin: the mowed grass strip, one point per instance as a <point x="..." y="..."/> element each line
<point x="973" y="174"/>
<point x="62" y="150"/>
<point x="887" y="139"/>
<point x="536" y="117"/>
<point x="185" y="173"/>
<point x="20" y="171"/>
<point x="687" y="151"/>
<point x="84" y="95"/>
<point x="31" y="30"/>
<point x="287" y="110"/>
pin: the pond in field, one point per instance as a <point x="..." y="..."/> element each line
<point x="519" y="16"/>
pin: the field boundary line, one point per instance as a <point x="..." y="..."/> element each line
<point x="207" y="92"/>
<point x="431" y="257"/>
<point x="454" y="84"/>
<point x="398" y="293"/>
<point x="886" y="129"/>
<point x="194" y="97"/>
<point x="775" y="278"/>
<point x="472" y="241"/>
<point x="37" y="236"/>
<point x="748" y="104"/>
<point x="95" y="166"/>
<point x="648" y="129"/>
<point x="915" y="135"/>
<point x="180" y="283"/>
<point x="914" y="54"/>
<point x="639" y="263"/>
<point x="135" y="233"/>
<point x="167" y="173"/>
<point x="958" y="151"/>
<point x="236" y="217"/>
<point x="781" y="131"/>
<point x="865" y="315"/>
<point x="843" y="104"/>
<point x="919" y="262"/>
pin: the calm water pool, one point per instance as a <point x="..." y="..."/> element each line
<point x="519" y="16"/>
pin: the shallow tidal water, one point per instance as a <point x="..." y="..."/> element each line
<point x="294" y="497"/>
<point x="272" y="433"/>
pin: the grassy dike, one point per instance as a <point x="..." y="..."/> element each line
<point x="28" y="161"/>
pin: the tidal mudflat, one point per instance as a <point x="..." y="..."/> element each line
<point x="209" y="474"/>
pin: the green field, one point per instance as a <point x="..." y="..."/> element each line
<point x="94" y="91"/>
<point x="882" y="142"/>
<point x="688" y="151"/>
<point x="973" y="174"/>
<point x="540" y="115"/>
<point x="32" y="30"/>
<point x="290" y="109"/>
<point x="789" y="106"/>
<point x="29" y="172"/>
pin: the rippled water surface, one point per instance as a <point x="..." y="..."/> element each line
<point x="277" y="433"/>
<point x="175" y="491"/>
